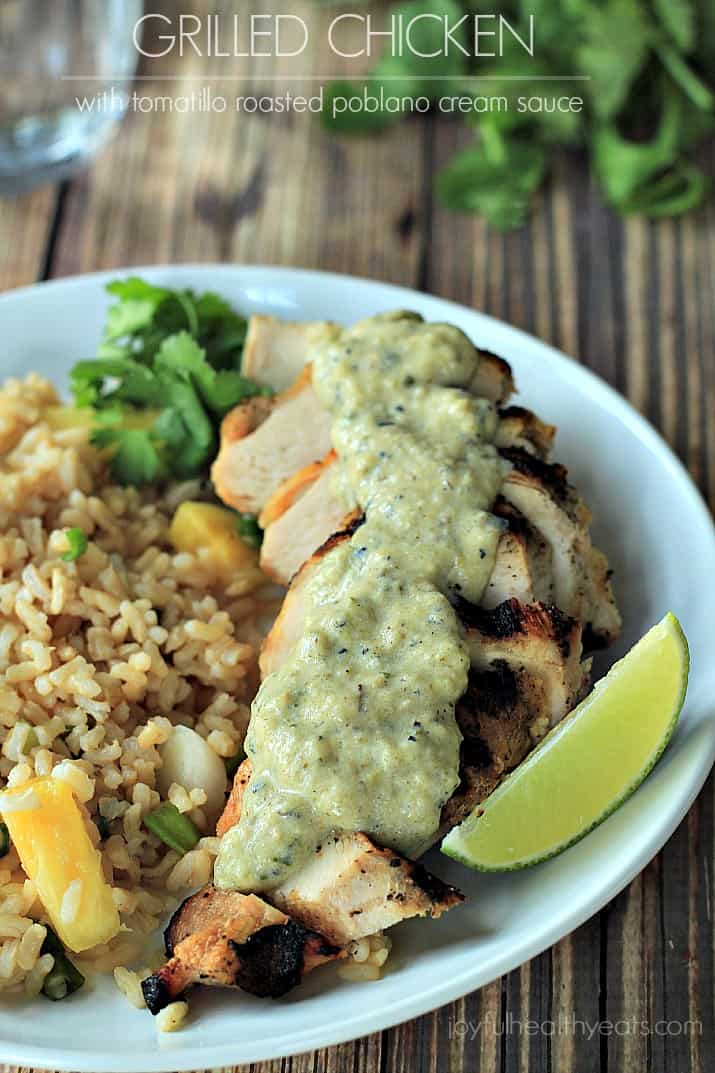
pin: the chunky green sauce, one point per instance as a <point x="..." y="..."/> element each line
<point x="356" y="731"/>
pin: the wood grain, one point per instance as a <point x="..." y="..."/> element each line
<point x="633" y="300"/>
<point x="25" y="229"/>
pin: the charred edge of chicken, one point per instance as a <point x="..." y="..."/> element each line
<point x="270" y="962"/>
<point x="552" y="475"/>
<point x="514" y="619"/>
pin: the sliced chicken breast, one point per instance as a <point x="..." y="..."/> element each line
<point x="249" y="469"/>
<point x="307" y="523"/>
<point x="226" y="939"/>
<point x="276" y="350"/>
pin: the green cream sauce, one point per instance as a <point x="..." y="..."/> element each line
<point x="356" y="731"/>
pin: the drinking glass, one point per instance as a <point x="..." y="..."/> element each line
<point x="56" y="57"/>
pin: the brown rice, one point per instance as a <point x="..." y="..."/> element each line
<point x="99" y="659"/>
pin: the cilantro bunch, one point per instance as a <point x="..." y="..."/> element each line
<point x="166" y="372"/>
<point x="648" y="100"/>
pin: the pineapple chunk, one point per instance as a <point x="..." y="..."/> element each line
<point x="49" y="834"/>
<point x="68" y="417"/>
<point x="204" y="525"/>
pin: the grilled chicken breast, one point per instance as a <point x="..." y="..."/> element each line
<point x="226" y="939"/>
<point x="548" y="591"/>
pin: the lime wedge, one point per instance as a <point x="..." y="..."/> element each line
<point x="587" y="765"/>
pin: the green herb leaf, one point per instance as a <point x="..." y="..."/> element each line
<point x="175" y="354"/>
<point x="679" y="190"/>
<point x="102" y="825"/>
<point x="249" y="530"/>
<point x="499" y="188"/>
<point x="77" y="540"/>
<point x="615" y="37"/>
<point x="64" y="978"/>
<point x="678" y="18"/>
<point x="624" y="166"/>
<point x="136" y="458"/>
<point x="4" y="840"/>
<point x="173" y="828"/>
<point x="692" y="86"/>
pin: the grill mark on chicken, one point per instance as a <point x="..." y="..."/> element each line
<point x="270" y="962"/>
<point x="512" y="618"/>
<point x="226" y="939"/>
<point x="552" y="475"/>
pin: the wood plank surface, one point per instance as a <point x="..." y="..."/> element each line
<point x="635" y="301"/>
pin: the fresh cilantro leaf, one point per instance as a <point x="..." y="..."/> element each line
<point x="134" y="288"/>
<point x="614" y="45"/>
<point x="135" y="456"/>
<point x="108" y="380"/>
<point x="693" y="87"/>
<point x="166" y="371"/>
<point x="678" y="19"/>
<point x="180" y="355"/>
<point x="623" y="166"/>
<point x="676" y="191"/>
<point x="498" y="187"/>
<point x="78" y="543"/>
<point x="128" y="317"/>
<point x="621" y="46"/>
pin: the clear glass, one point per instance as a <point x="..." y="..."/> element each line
<point x="54" y="54"/>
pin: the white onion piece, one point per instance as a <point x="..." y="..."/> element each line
<point x="188" y="760"/>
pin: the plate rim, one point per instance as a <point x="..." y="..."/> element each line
<point x="196" y="1056"/>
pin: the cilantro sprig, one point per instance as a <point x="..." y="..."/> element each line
<point x="166" y="372"/>
<point x="648" y="100"/>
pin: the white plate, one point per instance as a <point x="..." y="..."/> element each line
<point x="660" y="540"/>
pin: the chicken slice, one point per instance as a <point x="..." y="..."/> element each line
<point x="304" y="526"/>
<point x="581" y="580"/>
<point x="276" y="350"/>
<point x="250" y="468"/>
<point x="226" y="939"/>
<point x="538" y="641"/>
<point x="522" y="568"/>
<point x="247" y="416"/>
<point x="519" y="427"/>
<point x="292" y="488"/>
<point x="288" y="626"/>
<point x="351" y="888"/>
<point x="511" y="574"/>
<point x="304" y="511"/>
<point x="493" y="380"/>
<point x="494" y="717"/>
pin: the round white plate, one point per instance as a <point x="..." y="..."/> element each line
<point x="660" y="540"/>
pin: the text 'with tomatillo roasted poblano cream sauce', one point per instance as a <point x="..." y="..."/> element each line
<point x="356" y="731"/>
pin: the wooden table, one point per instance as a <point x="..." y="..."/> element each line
<point x="635" y="301"/>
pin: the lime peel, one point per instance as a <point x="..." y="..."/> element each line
<point x="587" y="766"/>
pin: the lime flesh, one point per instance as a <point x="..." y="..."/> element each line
<point x="587" y="765"/>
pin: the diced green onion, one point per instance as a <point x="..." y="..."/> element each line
<point x="102" y="825"/>
<point x="77" y="540"/>
<point x="64" y="978"/>
<point x="172" y="827"/>
<point x="4" y="840"/>
<point x="249" y="530"/>
<point x="233" y="763"/>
